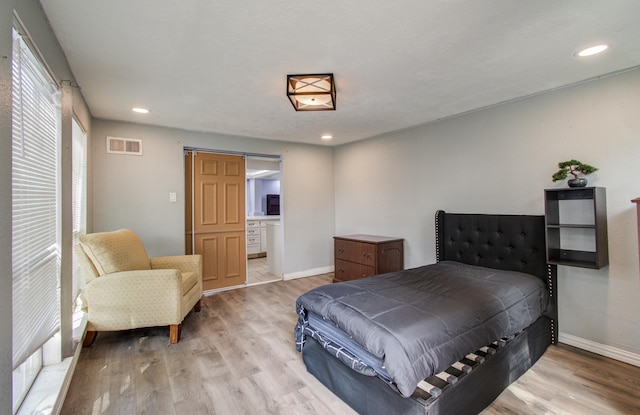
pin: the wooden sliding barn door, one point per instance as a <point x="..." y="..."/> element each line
<point x="218" y="217"/>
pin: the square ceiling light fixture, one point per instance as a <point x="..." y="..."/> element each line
<point x="312" y="92"/>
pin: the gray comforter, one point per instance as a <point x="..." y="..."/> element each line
<point x="419" y="321"/>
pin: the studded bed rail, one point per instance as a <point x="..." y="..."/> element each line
<point x="432" y="387"/>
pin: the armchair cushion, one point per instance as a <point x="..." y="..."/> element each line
<point x="115" y="251"/>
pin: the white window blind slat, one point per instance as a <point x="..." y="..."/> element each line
<point x="35" y="212"/>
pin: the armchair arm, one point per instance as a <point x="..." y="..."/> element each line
<point x="184" y="263"/>
<point x="132" y="299"/>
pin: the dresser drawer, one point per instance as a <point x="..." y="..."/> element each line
<point x="346" y="271"/>
<point x="253" y="239"/>
<point x="354" y="251"/>
<point x="253" y="231"/>
<point x="253" y="224"/>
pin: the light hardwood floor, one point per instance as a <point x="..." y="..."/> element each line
<point x="258" y="271"/>
<point x="237" y="356"/>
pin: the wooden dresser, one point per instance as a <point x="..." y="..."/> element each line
<point x="359" y="256"/>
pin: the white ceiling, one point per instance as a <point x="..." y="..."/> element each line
<point x="221" y="66"/>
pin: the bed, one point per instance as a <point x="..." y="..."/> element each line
<point x="445" y="338"/>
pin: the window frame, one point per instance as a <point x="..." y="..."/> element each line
<point x="35" y="101"/>
<point x="79" y="201"/>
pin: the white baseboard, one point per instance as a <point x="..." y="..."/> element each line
<point x="208" y="293"/>
<point x="601" y="349"/>
<point x="292" y="276"/>
<point x="309" y="273"/>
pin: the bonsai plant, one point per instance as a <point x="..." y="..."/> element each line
<point x="575" y="168"/>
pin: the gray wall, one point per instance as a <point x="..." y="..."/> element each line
<point x="499" y="160"/>
<point x="133" y="191"/>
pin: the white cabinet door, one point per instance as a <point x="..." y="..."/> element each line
<point x="263" y="239"/>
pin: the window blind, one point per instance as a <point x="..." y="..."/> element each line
<point x="35" y="214"/>
<point x="79" y="173"/>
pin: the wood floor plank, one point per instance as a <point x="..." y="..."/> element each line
<point x="185" y="383"/>
<point x="200" y="406"/>
<point x="225" y="396"/>
<point x="237" y="356"/>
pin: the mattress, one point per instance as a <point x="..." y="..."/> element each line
<point x="414" y="324"/>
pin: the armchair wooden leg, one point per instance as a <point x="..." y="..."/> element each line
<point x="174" y="333"/>
<point x="198" y="306"/>
<point x="89" y="337"/>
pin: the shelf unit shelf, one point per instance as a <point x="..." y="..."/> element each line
<point x="567" y="226"/>
<point x="562" y="229"/>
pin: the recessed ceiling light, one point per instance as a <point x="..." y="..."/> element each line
<point x="327" y="137"/>
<point x="140" y="110"/>
<point x="593" y="50"/>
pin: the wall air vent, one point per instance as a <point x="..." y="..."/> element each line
<point x="131" y="146"/>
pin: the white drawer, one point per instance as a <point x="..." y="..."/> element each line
<point x="253" y="224"/>
<point x="253" y="239"/>
<point x="253" y="249"/>
<point x="253" y="231"/>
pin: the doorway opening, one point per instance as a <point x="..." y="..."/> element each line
<point x="233" y="216"/>
<point x="264" y="230"/>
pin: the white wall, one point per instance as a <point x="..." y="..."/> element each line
<point x="133" y="191"/>
<point x="499" y="160"/>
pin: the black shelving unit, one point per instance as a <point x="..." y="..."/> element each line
<point x="557" y="227"/>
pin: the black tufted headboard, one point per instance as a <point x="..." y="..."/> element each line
<point x="508" y="242"/>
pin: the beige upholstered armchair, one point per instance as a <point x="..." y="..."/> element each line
<point x="126" y="289"/>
